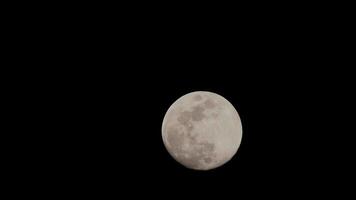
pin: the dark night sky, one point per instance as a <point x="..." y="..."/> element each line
<point x="113" y="125"/>
<point x="103" y="94"/>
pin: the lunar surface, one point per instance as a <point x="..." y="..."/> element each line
<point x="202" y="130"/>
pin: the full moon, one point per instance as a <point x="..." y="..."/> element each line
<point x="202" y="130"/>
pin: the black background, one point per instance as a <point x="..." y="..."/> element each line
<point x="109" y="126"/>
<point x="103" y="82"/>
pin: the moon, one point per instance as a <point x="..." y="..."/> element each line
<point x="202" y="130"/>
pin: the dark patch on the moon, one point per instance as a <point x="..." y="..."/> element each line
<point x="197" y="97"/>
<point x="209" y="104"/>
<point x="208" y="147"/>
<point x="207" y="160"/>
<point x="184" y="117"/>
<point x="197" y="113"/>
<point x="191" y="137"/>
